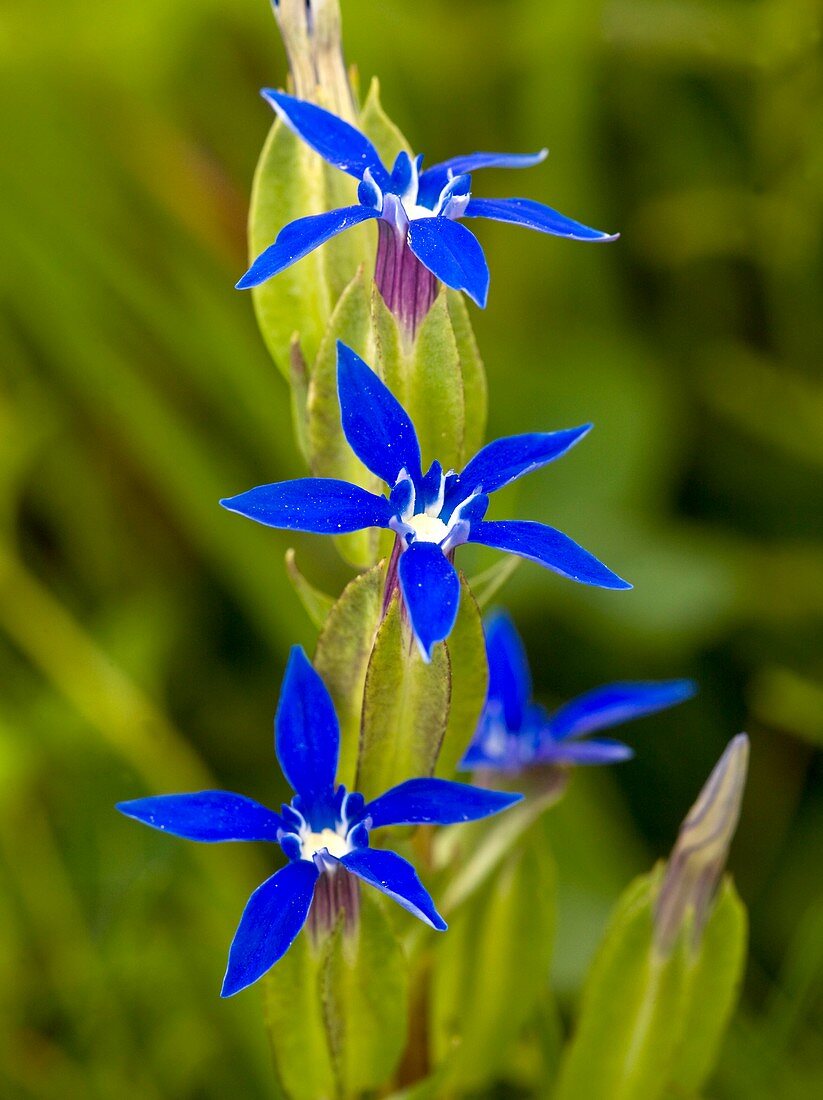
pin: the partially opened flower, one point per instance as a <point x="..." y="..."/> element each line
<point x="324" y="830"/>
<point x="418" y="213"/>
<point x="514" y="732"/>
<point x="430" y="513"/>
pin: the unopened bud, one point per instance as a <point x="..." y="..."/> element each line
<point x="699" y="856"/>
<point x="311" y="31"/>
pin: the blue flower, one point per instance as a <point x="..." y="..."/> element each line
<point x="514" y="732"/>
<point x="324" y="830"/>
<point x="422" y="207"/>
<point x="430" y="513"/>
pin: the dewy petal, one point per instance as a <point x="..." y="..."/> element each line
<point x="505" y="460"/>
<point x="431" y="591"/>
<point x="323" y="506"/>
<point x="603" y="751"/>
<point x="307" y="734"/>
<point x="273" y="917"/>
<point x="299" y="238"/>
<point x="547" y="546"/>
<point x="613" y="704"/>
<point x="534" y="215"/>
<point x="451" y="252"/>
<point x="396" y="877"/>
<point x="375" y="424"/>
<point x="509" y="678"/>
<point x="436" y="802"/>
<point x="207" y="816"/>
<point x="434" y="179"/>
<point x="333" y="138"/>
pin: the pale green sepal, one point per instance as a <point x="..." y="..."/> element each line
<point x="354" y="248"/>
<point x="342" y="657"/>
<point x="632" y="1007"/>
<point x="299" y="382"/>
<point x="389" y="357"/>
<point x="405" y="707"/>
<point x="296" y="1025"/>
<point x="365" y="996"/>
<point x="288" y="184"/>
<point x="329" y="453"/>
<point x="379" y="128"/>
<point x="469" y="679"/>
<point x="714" y="974"/>
<point x="490" y="973"/>
<point x="317" y="604"/>
<point x="475" y="389"/>
<point x="434" y="389"/>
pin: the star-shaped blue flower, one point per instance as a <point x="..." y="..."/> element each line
<point x="423" y="207"/>
<point x="514" y="732"/>
<point x="324" y="830"/>
<point x="430" y="513"/>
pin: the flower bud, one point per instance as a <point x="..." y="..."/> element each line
<point x="311" y="32"/>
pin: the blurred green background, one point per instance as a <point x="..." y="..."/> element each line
<point x="143" y="631"/>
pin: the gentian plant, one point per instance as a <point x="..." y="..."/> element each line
<point x="421" y="239"/>
<point x="323" y="830"/>
<point x="367" y="1003"/>
<point x="431" y="514"/>
<point x="515" y="732"/>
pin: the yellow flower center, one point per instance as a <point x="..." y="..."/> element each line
<point x="428" y="528"/>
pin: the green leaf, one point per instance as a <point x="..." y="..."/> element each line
<point x="296" y="1024"/>
<point x="378" y="127"/>
<point x="632" y="1009"/>
<point x="714" y="974"/>
<point x="492" y="968"/>
<point x="434" y="388"/>
<point x="329" y="451"/>
<point x="405" y="706"/>
<point x="475" y="389"/>
<point x="316" y="603"/>
<point x="299" y="382"/>
<point x="469" y="679"/>
<point x="365" y="994"/>
<point x="342" y="657"/>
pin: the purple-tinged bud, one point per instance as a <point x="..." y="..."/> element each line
<point x="407" y="287"/>
<point x="699" y="856"/>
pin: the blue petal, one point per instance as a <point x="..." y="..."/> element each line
<point x="307" y="735"/>
<point x="505" y="460"/>
<point x="376" y="425"/>
<point x="436" y="802"/>
<point x="273" y="916"/>
<point x="434" y="179"/>
<point x="208" y="816"/>
<point x="603" y="751"/>
<point x="431" y="591"/>
<point x="453" y="254"/>
<point x="613" y="704"/>
<point x="548" y="547"/>
<point x="299" y="238"/>
<point x="321" y="505"/>
<point x="335" y="140"/>
<point x="396" y="877"/>
<point x="509" y="679"/>
<point x="534" y="215"/>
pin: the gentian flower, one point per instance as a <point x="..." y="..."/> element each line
<point x="515" y="732"/>
<point x="430" y="513"/>
<point x="417" y="212"/>
<point x="324" y="831"/>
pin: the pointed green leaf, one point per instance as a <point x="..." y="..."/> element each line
<point x="714" y="974"/>
<point x="316" y="603"/>
<point x="296" y="1024"/>
<point x="378" y="127"/>
<point x="330" y="453"/>
<point x="469" y="679"/>
<point x="299" y="381"/>
<point x="405" y="705"/>
<point x="365" y="992"/>
<point x="491" y="971"/>
<point x="632" y="1009"/>
<point x="389" y="360"/>
<point x="434" y="388"/>
<point x="475" y="390"/>
<point x="342" y="657"/>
